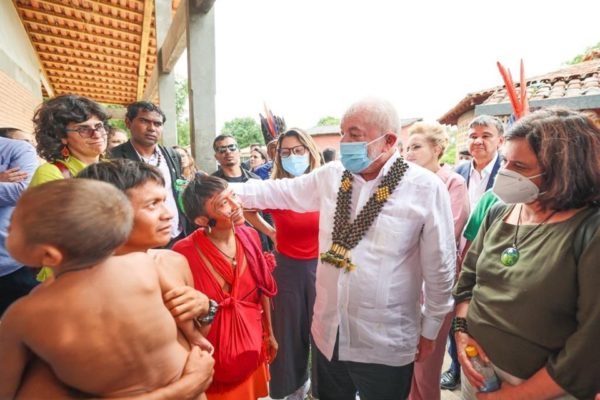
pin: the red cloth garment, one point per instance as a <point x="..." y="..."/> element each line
<point x="297" y="234"/>
<point x="236" y="332"/>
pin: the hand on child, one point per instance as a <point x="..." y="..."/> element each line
<point x="186" y="303"/>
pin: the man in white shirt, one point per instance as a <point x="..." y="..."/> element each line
<point x="397" y="231"/>
<point x="485" y="136"/>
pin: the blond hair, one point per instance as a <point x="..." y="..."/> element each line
<point x="434" y="133"/>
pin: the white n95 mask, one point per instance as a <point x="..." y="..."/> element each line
<point x="512" y="187"/>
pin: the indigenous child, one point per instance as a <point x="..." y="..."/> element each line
<point x="131" y="343"/>
<point x="228" y="265"/>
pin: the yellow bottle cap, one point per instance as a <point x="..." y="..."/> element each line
<point x="471" y="351"/>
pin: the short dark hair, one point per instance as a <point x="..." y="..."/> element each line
<point x="198" y="191"/>
<point x="221" y="137"/>
<point x="86" y="220"/>
<point x="134" y="108"/>
<point x="488" y="120"/>
<point x="567" y="146"/>
<point x="328" y="154"/>
<point x="52" y="117"/>
<point x="7" y="131"/>
<point x="122" y="173"/>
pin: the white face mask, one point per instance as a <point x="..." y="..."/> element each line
<point x="512" y="187"/>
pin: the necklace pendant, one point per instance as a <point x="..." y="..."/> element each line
<point x="234" y="263"/>
<point x="509" y="256"/>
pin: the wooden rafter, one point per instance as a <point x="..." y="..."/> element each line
<point x="148" y="10"/>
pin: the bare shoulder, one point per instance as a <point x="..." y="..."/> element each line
<point x="172" y="263"/>
<point x="167" y="257"/>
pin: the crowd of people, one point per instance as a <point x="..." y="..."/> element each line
<point x="127" y="272"/>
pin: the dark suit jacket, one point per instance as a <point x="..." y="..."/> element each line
<point x="172" y="159"/>
<point x="464" y="170"/>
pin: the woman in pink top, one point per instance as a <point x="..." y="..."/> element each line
<point x="426" y="145"/>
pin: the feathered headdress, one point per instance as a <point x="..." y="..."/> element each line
<point x="520" y="104"/>
<point x="271" y="125"/>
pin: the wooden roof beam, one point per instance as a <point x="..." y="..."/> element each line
<point x="48" y="38"/>
<point x="89" y="89"/>
<point x="95" y="29"/>
<point x="89" y="38"/>
<point x="146" y="27"/>
<point x="71" y="13"/>
<point x="172" y="48"/>
<point x="108" y="78"/>
<point x="86" y="54"/>
<point x="84" y="62"/>
<point x="57" y="67"/>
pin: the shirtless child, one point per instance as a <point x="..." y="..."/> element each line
<point x="101" y="325"/>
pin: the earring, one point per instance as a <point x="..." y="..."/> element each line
<point x="65" y="152"/>
<point x="208" y="229"/>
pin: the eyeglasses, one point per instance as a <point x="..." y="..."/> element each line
<point x="299" y="150"/>
<point x="230" y="147"/>
<point x="87" y="132"/>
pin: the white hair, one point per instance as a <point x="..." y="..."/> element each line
<point x="379" y="113"/>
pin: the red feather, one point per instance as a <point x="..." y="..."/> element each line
<point x="510" y="89"/>
<point x="524" y="101"/>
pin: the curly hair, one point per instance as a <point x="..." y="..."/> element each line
<point x="52" y="117"/>
<point x="567" y="146"/>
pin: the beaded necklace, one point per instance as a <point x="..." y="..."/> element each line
<point x="158" y="157"/>
<point x="346" y="235"/>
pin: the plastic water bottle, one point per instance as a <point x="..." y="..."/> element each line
<point x="491" y="381"/>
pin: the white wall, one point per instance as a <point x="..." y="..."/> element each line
<point x="17" y="56"/>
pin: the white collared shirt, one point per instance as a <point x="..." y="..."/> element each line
<point x="377" y="306"/>
<point x="477" y="182"/>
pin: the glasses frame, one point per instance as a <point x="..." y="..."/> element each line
<point x="87" y="132"/>
<point x="292" y="150"/>
<point x="233" y="147"/>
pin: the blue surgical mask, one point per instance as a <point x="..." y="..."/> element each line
<point x="295" y="165"/>
<point x="355" y="155"/>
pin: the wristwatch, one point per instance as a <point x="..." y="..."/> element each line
<point x="213" y="306"/>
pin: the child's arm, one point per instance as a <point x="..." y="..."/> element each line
<point x="272" y="345"/>
<point x="14" y="355"/>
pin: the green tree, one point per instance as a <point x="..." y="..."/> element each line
<point x="579" y="58"/>
<point x="183" y="117"/>
<point x="245" y="130"/>
<point x="449" y="156"/>
<point x="329" y="120"/>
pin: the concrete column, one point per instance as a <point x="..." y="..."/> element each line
<point x="201" y="79"/>
<point x="166" y="81"/>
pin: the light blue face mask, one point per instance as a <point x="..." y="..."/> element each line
<point x="355" y="155"/>
<point x="295" y="165"/>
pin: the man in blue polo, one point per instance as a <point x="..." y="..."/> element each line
<point x="18" y="162"/>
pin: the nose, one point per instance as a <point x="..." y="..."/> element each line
<point x="166" y="214"/>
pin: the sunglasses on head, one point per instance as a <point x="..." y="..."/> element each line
<point x="230" y="147"/>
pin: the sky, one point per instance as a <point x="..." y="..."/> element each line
<point x="307" y="59"/>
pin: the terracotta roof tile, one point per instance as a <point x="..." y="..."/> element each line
<point x="581" y="79"/>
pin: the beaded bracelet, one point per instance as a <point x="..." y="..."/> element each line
<point x="459" y="325"/>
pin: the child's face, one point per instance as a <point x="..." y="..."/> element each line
<point x="16" y="243"/>
<point x="151" y="218"/>
<point x="226" y="208"/>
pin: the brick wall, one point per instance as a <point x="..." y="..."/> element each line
<point x="17" y="104"/>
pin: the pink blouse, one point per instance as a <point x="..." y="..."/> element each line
<point x="459" y="198"/>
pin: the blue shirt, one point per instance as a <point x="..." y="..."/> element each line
<point x="264" y="171"/>
<point x="13" y="153"/>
